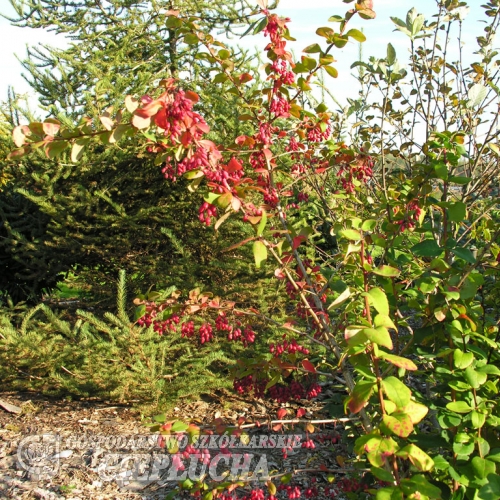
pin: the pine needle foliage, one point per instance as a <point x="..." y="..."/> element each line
<point x="109" y="356"/>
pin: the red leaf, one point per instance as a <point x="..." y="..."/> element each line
<point x="277" y="427"/>
<point x="308" y="366"/>
<point x="301" y="412"/>
<point x="268" y="154"/>
<point x="297" y="241"/>
<point x="282" y="412"/>
<point x="233" y="166"/>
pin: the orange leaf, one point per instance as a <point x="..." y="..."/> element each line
<point x="141" y="122"/>
<point x="51" y="128"/>
<point x="246" y="77"/>
<point x="192" y="96"/>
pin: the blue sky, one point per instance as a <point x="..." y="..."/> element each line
<point x="306" y="18"/>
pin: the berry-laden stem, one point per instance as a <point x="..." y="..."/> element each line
<point x="320" y="321"/>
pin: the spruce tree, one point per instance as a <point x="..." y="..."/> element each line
<point x="114" y="210"/>
<point x="117" y="47"/>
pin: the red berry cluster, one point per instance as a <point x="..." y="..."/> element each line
<point x="160" y="326"/>
<point x="295" y="390"/>
<point x="206" y="212"/>
<point x="291" y="347"/>
<point x="291" y="490"/>
<point x="311" y="492"/>
<point x="360" y="169"/>
<point x="413" y="212"/>
<point x="281" y="74"/>
<point x="315" y="134"/>
<point x="280" y="107"/>
<point x="187" y="329"/>
<point x="309" y="444"/>
<point x="247" y="336"/>
<point x="247" y="385"/>
<point x="206" y="333"/>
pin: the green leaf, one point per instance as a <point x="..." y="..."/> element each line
<point x="179" y="426"/>
<point x="474" y="378"/>
<point x="77" y="149"/>
<point x="383" y="320"/>
<point x="139" y="312"/>
<point x="224" y="54"/>
<point x="331" y="71"/>
<point x="389" y="493"/>
<point x="360" y="395"/>
<point x="378" y="299"/>
<point x="325" y="32"/>
<point x="387" y="271"/>
<point x="457" y="211"/>
<point x="441" y="171"/>
<point x="262" y="224"/>
<point x="391" y="54"/>
<point x="350" y="234"/>
<point x="465" y="254"/>
<point x="260" y="26"/>
<point x="382" y="474"/>
<point x="378" y="336"/>
<point x="419" y="485"/>
<point x="476" y="95"/>
<point x="55" y="148"/>
<point x="396" y="391"/>
<point x="357" y="35"/>
<point x="259" y="252"/>
<point x="369" y="225"/>
<point x="417" y="457"/>
<point x="459" y="407"/>
<point x="427" y="248"/>
<point x="482" y="467"/>
<point x="462" y="359"/>
<point x="191" y="39"/>
<point x="477" y="419"/>
<point x="398" y="361"/>
<point x="491" y="490"/>
<point x="378" y="448"/>
<point x="309" y="62"/>
<point x="211" y="197"/>
<point x="460" y="180"/>
<point x="399" y="423"/>
<point x="311" y="49"/>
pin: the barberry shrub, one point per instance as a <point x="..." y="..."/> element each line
<point x="386" y="236"/>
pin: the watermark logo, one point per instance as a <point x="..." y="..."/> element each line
<point x="156" y="458"/>
<point x="39" y="455"/>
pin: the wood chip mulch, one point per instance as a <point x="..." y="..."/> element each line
<point x="78" y="476"/>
